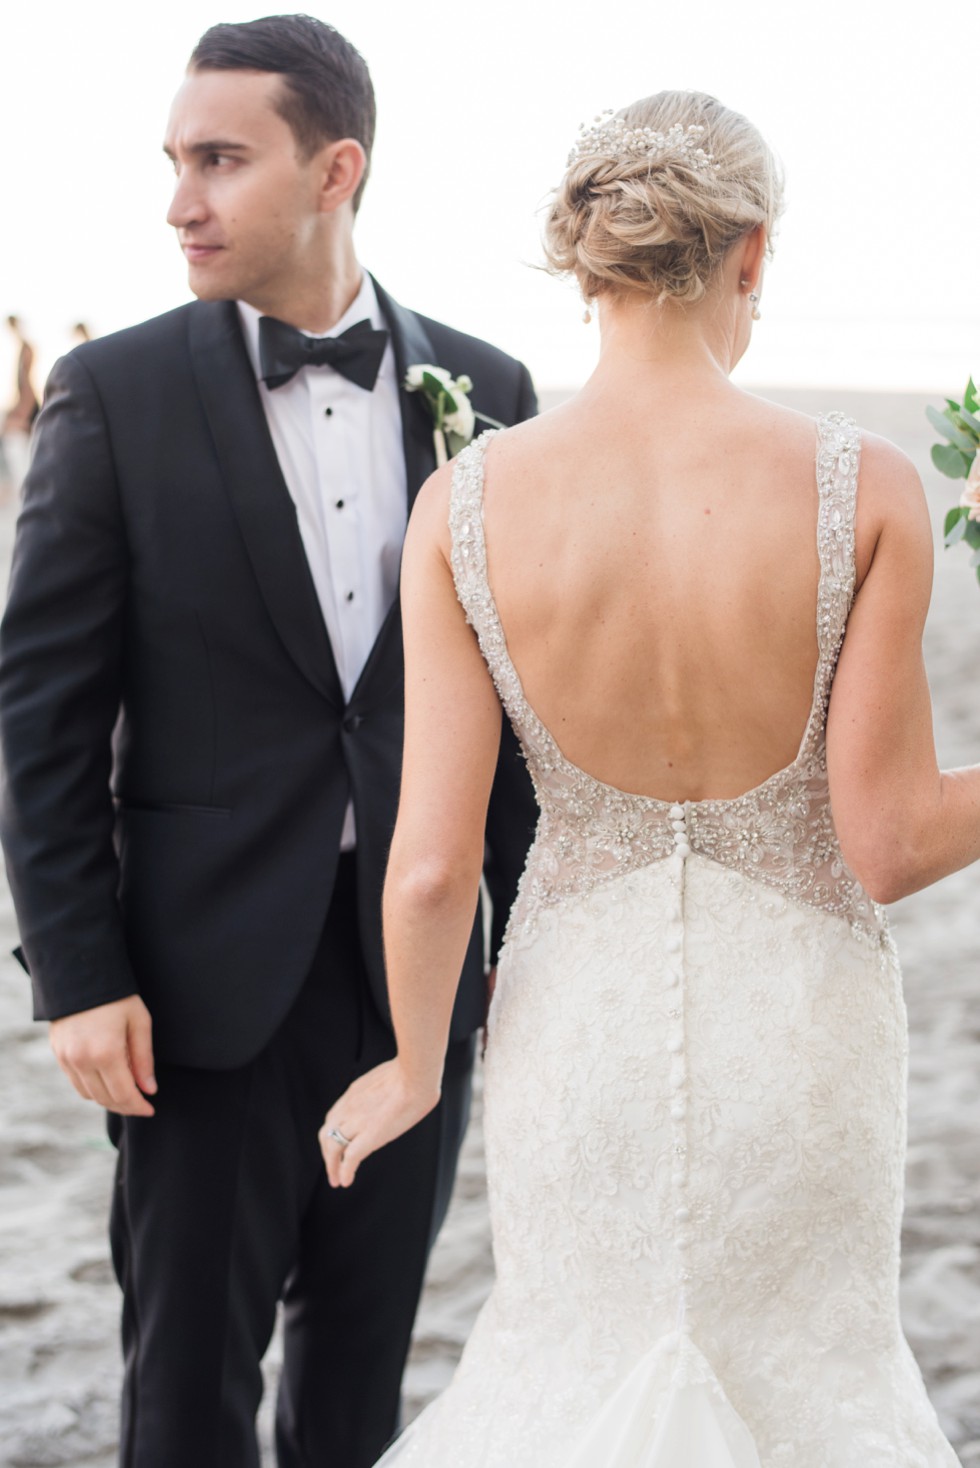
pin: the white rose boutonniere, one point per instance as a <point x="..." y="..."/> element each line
<point x="453" y="415"/>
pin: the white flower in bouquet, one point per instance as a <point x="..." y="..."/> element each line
<point x="971" y="493"/>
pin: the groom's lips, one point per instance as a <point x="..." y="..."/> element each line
<point x="197" y="253"/>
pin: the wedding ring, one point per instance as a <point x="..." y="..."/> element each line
<point x="336" y="1136"/>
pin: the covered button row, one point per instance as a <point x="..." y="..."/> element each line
<point x="678" y="824"/>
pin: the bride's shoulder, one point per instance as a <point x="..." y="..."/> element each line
<point x="884" y="468"/>
<point x="891" y="506"/>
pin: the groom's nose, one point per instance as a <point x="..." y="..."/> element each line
<point x="189" y="202"/>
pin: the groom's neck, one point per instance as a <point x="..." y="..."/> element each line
<point x="316" y="291"/>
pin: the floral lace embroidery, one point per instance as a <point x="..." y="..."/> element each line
<point x="781" y="833"/>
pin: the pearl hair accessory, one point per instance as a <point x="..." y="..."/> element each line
<point x="608" y="136"/>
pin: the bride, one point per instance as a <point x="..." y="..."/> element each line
<point x="696" y="1071"/>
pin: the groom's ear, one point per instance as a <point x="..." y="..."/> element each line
<point x="340" y="167"/>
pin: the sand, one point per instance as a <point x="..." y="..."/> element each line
<point x="59" y="1357"/>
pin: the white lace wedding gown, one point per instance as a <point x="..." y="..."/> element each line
<point x="694" y="1114"/>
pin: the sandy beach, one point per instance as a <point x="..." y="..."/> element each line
<point x="59" y="1356"/>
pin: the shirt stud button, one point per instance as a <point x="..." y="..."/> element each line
<point x="350" y="596"/>
<point x="339" y="505"/>
<point x="328" y="412"/>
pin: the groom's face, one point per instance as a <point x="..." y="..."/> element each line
<point x="246" y="203"/>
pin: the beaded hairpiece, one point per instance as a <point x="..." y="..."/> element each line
<point x="609" y="136"/>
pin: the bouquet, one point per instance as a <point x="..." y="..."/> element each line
<point x="957" y="458"/>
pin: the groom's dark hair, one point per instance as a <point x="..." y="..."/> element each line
<point x="327" y="92"/>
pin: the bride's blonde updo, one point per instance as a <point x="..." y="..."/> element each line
<point x="655" y="197"/>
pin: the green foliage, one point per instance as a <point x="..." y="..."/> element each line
<point x="947" y="423"/>
<point x="955" y="527"/>
<point x="959" y="424"/>
<point x="950" y="461"/>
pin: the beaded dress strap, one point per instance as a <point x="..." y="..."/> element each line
<point x="838" y="463"/>
<point x="471" y="575"/>
<point x="469" y="564"/>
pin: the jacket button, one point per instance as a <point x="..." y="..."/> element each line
<point x="352" y="722"/>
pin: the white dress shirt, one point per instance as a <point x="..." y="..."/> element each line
<point x="341" y="453"/>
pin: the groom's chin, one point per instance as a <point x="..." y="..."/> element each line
<point x="208" y="288"/>
<point x="208" y="280"/>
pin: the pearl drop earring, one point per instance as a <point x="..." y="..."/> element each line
<point x="753" y="302"/>
<point x="587" y="314"/>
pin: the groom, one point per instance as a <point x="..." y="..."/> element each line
<point x="201" y="722"/>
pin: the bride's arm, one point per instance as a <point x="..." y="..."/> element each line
<point x="452" y="738"/>
<point x="901" y="821"/>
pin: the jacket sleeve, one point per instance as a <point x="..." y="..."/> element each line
<point x="511" y="818"/>
<point x="527" y="398"/>
<point x="513" y="811"/>
<point x="61" y="642"/>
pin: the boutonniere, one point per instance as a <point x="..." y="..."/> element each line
<point x="453" y="415"/>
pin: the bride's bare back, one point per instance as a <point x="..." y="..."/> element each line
<point x="657" y="585"/>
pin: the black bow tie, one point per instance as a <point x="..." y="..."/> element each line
<point x="356" y="353"/>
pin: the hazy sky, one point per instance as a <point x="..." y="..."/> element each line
<point x="874" y="109"/>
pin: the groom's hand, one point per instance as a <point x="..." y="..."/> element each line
<point x="107" y="1054"/>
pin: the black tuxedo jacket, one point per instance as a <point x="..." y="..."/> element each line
<point x="177" y="753"/>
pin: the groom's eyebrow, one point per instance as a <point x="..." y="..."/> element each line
<point x="215" y="145"/>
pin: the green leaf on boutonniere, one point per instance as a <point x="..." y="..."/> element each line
<point x="433" y="385"/>
<point x="949" y="461"/>
<point x="943" y="421"/>
<point x="955" y="526"/>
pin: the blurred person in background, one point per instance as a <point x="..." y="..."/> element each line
<point x="19" y="417"/>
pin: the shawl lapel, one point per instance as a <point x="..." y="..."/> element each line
<point x="257" y="490"/>
<point x="411" y="344"/>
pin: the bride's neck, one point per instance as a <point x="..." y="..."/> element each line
<point x="645" y="345"/>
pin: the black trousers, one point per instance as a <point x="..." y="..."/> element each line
<point x="222" y="1208"/>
